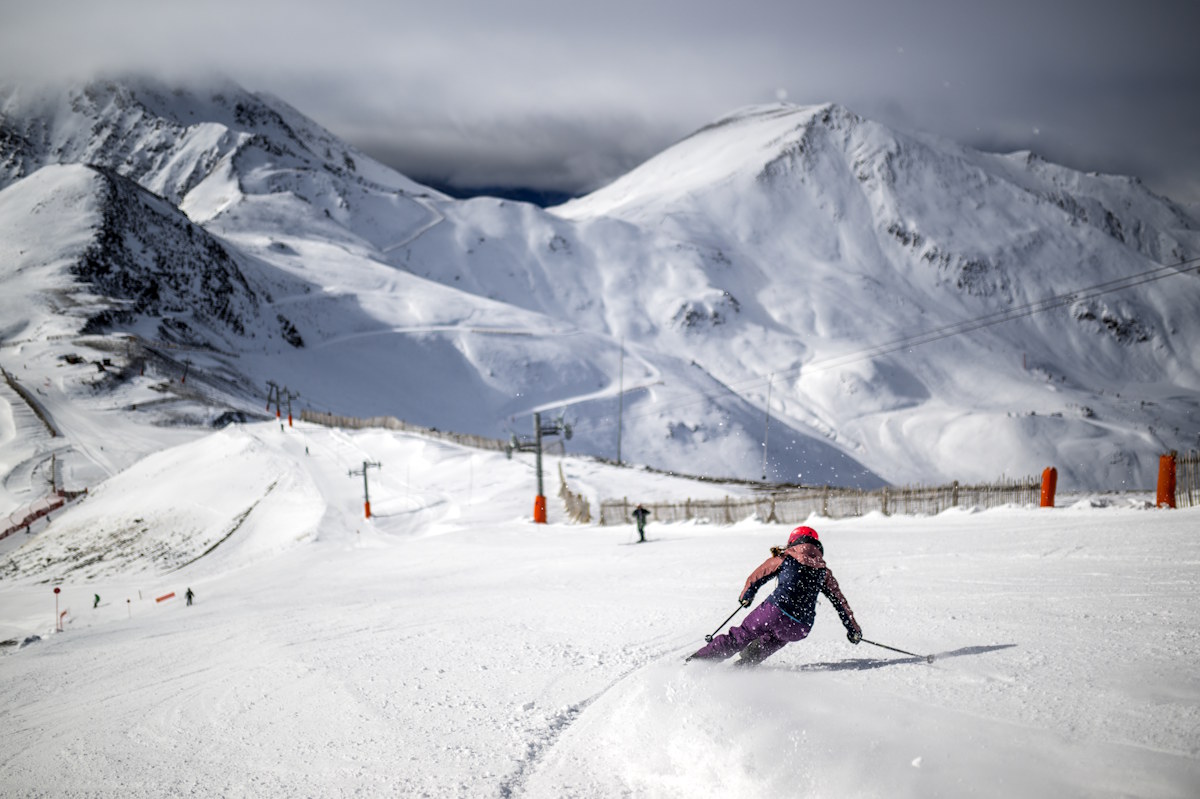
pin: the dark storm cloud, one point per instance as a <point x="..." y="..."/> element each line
<point x="567" y="96"/>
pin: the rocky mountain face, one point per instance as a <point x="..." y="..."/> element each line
<point x="899" y="308"/>
<point x="170" y="139"/>
<point x="157" y="264"/>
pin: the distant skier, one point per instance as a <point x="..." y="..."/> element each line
<point x="189" y="596"/>
<point x="788" y="613"/>
<point x="96" y="603"/>
<point x="640" y="514"/>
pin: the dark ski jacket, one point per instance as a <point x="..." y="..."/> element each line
<point x="801" y="574"/>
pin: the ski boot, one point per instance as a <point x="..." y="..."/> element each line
<point x="750" y="656"/>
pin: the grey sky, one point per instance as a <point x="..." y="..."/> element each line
<point x="567" y="96"/>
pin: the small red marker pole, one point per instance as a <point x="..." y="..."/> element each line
<point x="57" y="618"/>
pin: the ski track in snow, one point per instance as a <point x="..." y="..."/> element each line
<point x="436" y="218"/>
<point x="653" y="375"/>
<point x="541" y="744"/>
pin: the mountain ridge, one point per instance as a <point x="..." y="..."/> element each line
<point x="770" y="252"/>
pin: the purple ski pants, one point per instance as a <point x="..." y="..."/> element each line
<point x="767" y="624"/>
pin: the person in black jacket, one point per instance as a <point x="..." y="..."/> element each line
<point x="787" y="615"/>
<point x="640" y="514"/>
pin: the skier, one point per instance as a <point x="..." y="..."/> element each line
<point x="787" y="614"/>
<point x="189" y="596"/>
<point x="640" y="514"/>
<point x="96" y="603"/>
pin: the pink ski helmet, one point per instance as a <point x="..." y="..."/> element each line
<point x="802" y="532"/>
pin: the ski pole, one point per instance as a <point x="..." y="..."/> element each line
<point x="926" y="658"/>
<point x="708" y="638"/>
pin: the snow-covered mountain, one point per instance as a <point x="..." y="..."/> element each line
<point x="793" y="254"/>
<point x="847" y="235"/>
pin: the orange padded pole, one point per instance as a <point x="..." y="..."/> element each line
<point x="1166" y="481"/>
<point x="1049" y="485"/>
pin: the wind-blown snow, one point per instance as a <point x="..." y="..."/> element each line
<point x="450" y="647"/>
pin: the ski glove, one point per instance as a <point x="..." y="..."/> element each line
<point x="854" y="635"/>
<point x="746" y="602"/>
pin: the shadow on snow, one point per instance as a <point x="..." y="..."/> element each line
<point x="863" y="664"/>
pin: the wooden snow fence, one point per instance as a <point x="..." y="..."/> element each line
<point x="793" y="506"/>
<point x="578" y="509"/>
<point x="392" y="423"/>
<point x="1187" y="480"/>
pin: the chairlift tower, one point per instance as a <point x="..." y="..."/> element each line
<point x="366" y="490"/>
<point x="273" y="394"/>
<point x="556" y="428"/>
<point x="288" y="396"/>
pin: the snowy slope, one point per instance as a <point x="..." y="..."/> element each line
<point x="765" y="256"/>
<point x="848" y="235"/>
<point x="449" y="647"/>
